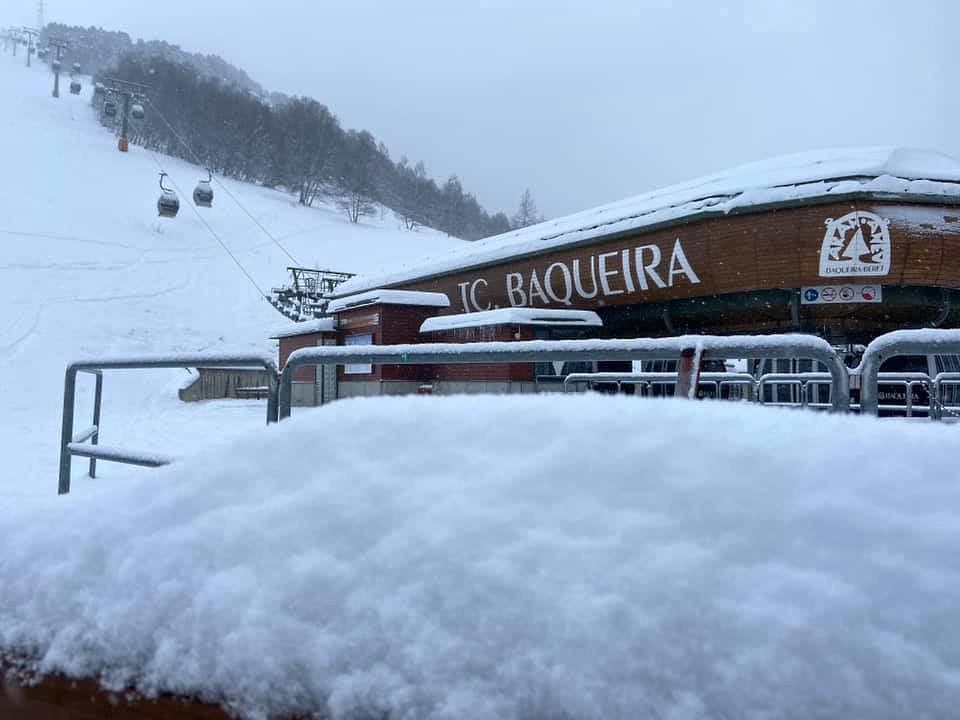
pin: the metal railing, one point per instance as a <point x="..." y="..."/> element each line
<point x="939" y="406"/>
<point x="646" y="381"/>
<point x="718" y="381"/>
<point x="86" y="443"/>
<point x="709" y="346"/>
<point x="895" y="344"/>
<point x="922" y="342"/>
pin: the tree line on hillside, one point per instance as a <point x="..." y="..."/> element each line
<point x="238" y="130"/>
<point x="96" y="50"/>
<point x="298" y="145"/>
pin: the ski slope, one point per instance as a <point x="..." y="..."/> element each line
<point x="87" y="268"/>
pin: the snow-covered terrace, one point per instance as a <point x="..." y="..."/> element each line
<point x="884" y="172"/>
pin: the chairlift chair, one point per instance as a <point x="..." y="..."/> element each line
<point x="168" y="205"/>
<point x="75" y="87"/>
<point x="203" y="193"/>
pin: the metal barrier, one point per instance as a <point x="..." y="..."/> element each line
<point x="901" y="342"/>
<point x="766" y="346"/>
<point x="802" y="380"/>
<point x="904" y="342"/>
<point x="908" y="381"/>
<point x="78" y="445"/>
<point x="648" y="380"/>
<point x="938" y="406"/>
<point x="718" y="380"/>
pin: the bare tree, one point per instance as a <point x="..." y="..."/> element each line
<point x="527" y="213"/>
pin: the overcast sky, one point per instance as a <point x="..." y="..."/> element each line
<point x="582" y="102"/>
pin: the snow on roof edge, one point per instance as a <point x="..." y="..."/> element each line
<point x="324" y="324"/>
<point x="791" y="178"/>
<point x="389" y="297"/>
<point x="512" y="316"/>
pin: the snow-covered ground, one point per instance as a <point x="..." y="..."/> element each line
<point x="514" y="558"/>
<point x="87" y="268"/>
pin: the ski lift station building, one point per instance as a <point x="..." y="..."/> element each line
<point x="843" y="244"/>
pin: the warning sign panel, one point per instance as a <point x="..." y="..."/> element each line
<point x="832" y="294"/>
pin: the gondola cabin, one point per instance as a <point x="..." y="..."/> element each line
<point x="136" y="111"/>
<point x="75" y="87"/>
<point x="203" y="194"/>
<point x="110" y="108"/>
<point x="168" y="204"/>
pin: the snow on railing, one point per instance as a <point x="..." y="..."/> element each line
<point x="901" y="342"/>
<point x="712" y="346"/>
<point x="76" y="444"/>
<point x="904" y="342"/>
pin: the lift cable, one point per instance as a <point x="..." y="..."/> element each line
<point x="213" y="232"/>
<point x="233" y="197"/>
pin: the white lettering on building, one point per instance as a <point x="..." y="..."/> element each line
<point x="565" y="294"/>
<point x="515" y="293"/>
<point x="473" y="295"/>
<point x="679" y="265"/>
<point x="606" y="274"/>
<point x="578" y="286"/>
<point x="645" y="269"/>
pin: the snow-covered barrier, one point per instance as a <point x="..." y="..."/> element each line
<point x="714" y="346"/>
<point x="518" y="557"/>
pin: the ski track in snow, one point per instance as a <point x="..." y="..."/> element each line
<point x="21" y="328"/>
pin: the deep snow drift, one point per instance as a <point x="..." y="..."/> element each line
<point x="87" y="268"/>
<point x="500" y="558"/>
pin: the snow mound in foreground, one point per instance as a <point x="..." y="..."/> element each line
<point x="513" y="557"/>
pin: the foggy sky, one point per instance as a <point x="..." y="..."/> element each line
<point x="582" y="102"/>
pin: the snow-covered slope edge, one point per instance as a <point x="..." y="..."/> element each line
<point x="513" y="558"/>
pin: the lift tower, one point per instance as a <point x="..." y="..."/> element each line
<point x="130" y="92"/>
<point x="30" y="33"/>
<point x="60" y="45"/>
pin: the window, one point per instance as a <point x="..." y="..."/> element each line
<point x="360" y="368"/>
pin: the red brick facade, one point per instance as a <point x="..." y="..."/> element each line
<point x="480" y="372"/>
<point x="295" y="342"/>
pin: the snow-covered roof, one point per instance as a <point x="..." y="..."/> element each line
<point x="512" y="316"/>
<point x="886" y="171"/>
<point x="324" y="324"/>
<point x="389" y="297"/>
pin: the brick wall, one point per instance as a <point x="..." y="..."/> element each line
<point x="307" y="373"/>
<point x="477" y="371"/>
<point x="389" y="325"/>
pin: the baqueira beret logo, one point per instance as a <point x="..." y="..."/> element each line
<point x="856" y="244"/>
